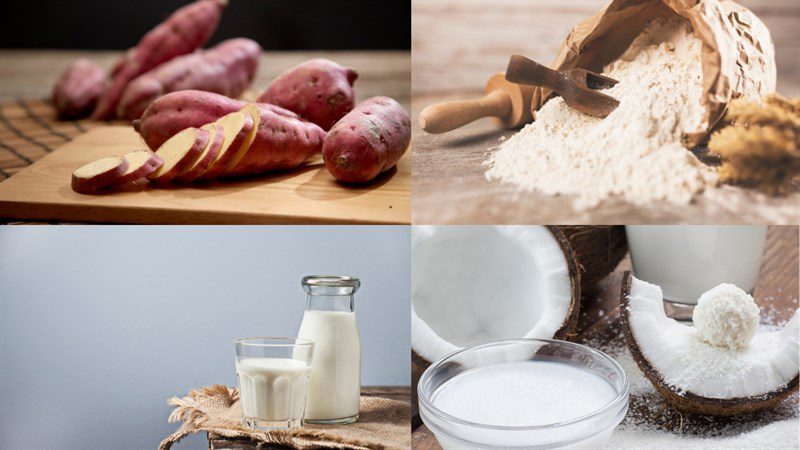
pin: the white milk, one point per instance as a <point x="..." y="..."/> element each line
<point x="272" y="389"/>
<point x="523" y="394"/>
<point x="687" y="260"/>
<point x="334" y="388"/>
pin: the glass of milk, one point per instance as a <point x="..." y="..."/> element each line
<point x="334" y="390"/>
<point x="687" y="260"/>
<point x="523" y="393"/>
<point x="273" y="381"/>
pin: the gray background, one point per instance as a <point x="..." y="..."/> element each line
<point x="100" y="325"/>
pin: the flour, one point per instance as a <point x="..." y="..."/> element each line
<point x="636" y="151"/>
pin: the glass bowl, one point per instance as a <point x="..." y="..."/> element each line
<point x="588" y="431"/>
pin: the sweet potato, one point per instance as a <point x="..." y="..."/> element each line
<point x="186" y="30"/>
<point x="283" y="141"/>
<point x="318" y="90"/>
<point x="226" y="69"/>
<point x="179" y="153"/>
<point x="76" y="92"/>
<point x="367" y="141"/>
<point x="175" y="111"/>
<point x="141" y="163"/>
<point x="92" y="177"/>
<point x="199" y="167"/>
<point x="237" y="129"/>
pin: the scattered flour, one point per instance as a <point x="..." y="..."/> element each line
<point x="636" y="151"/>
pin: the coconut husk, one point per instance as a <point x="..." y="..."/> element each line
<point x="686" y="401"/>
<point x="599" y="250"/>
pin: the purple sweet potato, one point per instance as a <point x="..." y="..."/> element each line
<point x="78" y="88"/>
<point x="226" y="69"/>
<point x="168" y="115"/>
<point x="318" y="90"/>
<point x="186" y="30"/>
<point x="368" y="141"/>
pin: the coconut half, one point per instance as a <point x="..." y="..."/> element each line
<point x="700" y="378"/>
<point x="477" y="284"/>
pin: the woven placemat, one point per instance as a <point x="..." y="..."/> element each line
<point x="29" y="130"/>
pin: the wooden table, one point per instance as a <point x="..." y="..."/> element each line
<point x="399" y="393"/>
<point x="457" y="45"/>
<point x="29" y="131"/>
<point x="776" y="294"/>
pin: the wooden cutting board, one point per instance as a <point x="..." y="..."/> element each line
<point x="306" y="195"/>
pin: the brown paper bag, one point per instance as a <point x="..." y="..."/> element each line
<point x="738" y="54"/>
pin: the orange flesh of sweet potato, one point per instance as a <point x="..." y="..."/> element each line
<point x="178" y="153"/>
<point x="141" y="163"/>
<point x="236" y="128"/>
<point x="90" y="178"/>
<point x="186" y="30"/>
<point x="210" y="152"/>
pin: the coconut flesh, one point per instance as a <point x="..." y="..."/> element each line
<point x="477" y="284"/>
<point x="718" y="366"/>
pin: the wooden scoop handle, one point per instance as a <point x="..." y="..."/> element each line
<point x="522" y="70"/>
<point x="447" y="116"/>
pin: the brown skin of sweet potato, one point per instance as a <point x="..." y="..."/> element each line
<point x="227" y="69"/>
<point x="77" y="90"/>
<point x="368" y="141"/>
<point x="318" y="90"/>
<point x="186" y="30"/>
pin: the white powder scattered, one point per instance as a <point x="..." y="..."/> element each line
<point x="726" y="316"/>
<point x="636" y="151"/>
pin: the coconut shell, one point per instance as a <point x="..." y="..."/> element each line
<point x="599" y="250"/>
<point x="688" y="402"/>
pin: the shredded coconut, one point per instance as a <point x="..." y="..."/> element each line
<point x="726" y="316"/>
<point x="636" y="151"/>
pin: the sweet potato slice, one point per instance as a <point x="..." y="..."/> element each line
<point x="178" y="153"/>
<point x="90" y="178"/>
<point x="250" y="110"/>
<point x="215" y="136"/>
<point x="236" y="128"/>
<point x="141" y="163"/>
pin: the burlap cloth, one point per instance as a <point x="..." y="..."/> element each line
<point x="382" y="423"/>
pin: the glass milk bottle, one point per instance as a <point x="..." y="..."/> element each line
<point x="334" y="389"/>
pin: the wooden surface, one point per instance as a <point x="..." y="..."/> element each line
<point x="458" y="45"/>
<point x="399" y="393"/>
<point x="305" y="195"/>
<point x="776" y="293"/>
<point x="29" y="132"/>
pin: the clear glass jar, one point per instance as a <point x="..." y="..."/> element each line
<point x="334" y="391"/>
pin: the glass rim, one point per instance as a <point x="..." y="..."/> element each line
<point x="278" y="341"/>
<point x="330" y="280"/>
<point x="621" y="395"/>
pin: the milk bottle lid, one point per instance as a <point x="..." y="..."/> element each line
<point x="330" y="284"/>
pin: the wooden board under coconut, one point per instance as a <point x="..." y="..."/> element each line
<point x="496" y="273"/>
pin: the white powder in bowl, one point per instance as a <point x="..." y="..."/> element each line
<point x="636" y="151"/>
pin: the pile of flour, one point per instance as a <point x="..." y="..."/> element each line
<point x="636" y="151"/>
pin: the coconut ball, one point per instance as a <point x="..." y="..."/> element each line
<point x="726" y="316"/>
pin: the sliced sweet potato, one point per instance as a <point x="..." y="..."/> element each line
<point x="250" y="110"/>
<point x="141" y="163"/>
<point x="178" y="153"/>
<point x="215" y="136"/>
<point x="236" y="129"/>
<point x="90" y="178"/>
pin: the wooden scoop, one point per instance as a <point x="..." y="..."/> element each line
<point x="508" y="103"/>
<point x="576" y="86"/>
